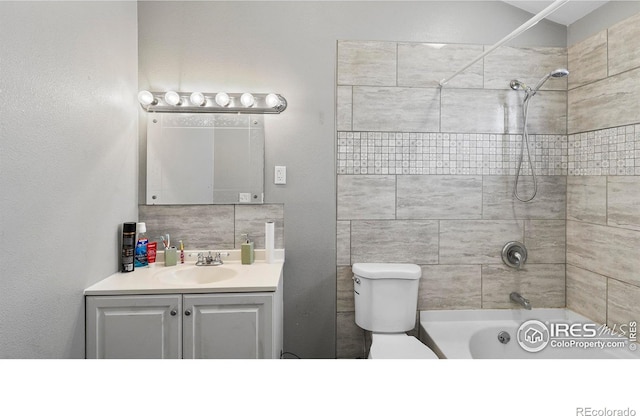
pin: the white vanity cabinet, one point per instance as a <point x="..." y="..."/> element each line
<point x="208" y="325"/>
<point x="137" y="326"/>
<point x="228" y="326"/>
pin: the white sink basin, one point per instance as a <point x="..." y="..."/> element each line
<point x="196" y="275"/>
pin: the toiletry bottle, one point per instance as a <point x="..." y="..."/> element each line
<point x="128" y="246"/>
<point x="141" y="259"/>
<point x="152" y="249"/>
<point x="181" y="252"/>
<point x="246" y="252"/>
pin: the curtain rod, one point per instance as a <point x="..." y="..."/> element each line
<point x="526" y="26"/>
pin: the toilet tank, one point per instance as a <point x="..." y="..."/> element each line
<point x="386" y="296"/>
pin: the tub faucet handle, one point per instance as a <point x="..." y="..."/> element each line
<point x="518" y="258"/>
<point x="514" y="254"/>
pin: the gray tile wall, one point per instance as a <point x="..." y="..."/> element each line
<point x="603" y="220"/>
<point x="603" y="241"/>
<point x="212" y="227"/>
<point x="454" y="226"/>
<point x="606" y="90"/>
<point x="426" y="174"/>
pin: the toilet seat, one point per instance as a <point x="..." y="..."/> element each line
<point x="398" y="346"/>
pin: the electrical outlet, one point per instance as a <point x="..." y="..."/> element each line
<point x="280" y="175"/>
<point x="244" y="197"/>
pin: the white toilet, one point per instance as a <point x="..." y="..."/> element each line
<point x="386" y="299"/>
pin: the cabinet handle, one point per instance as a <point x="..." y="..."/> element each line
<point x="174" y="312"/>
<point x="187" y="312"/>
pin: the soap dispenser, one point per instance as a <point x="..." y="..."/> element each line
<point x="246" y="252"/>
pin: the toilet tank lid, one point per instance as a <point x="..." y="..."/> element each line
<point x="387" y="271"/>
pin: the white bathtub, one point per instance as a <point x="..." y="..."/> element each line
<point x="474" y="334"/>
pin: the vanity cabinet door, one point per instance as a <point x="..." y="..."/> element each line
<point x="228" y="326"/>
<point x="146" y="326"/>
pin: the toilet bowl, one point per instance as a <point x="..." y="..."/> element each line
<point x="386" y="298"/>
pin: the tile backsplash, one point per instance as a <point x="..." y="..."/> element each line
<point x="209" y="227"/>
<point x="426" y="174"/>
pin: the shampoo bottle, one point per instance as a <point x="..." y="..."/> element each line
<point x="141" y="259"/>
<point x="246" y="251"/>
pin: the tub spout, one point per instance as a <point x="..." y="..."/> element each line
<point x="520" y="300"/>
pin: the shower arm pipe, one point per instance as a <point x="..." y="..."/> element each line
<point x="523" y="28"/>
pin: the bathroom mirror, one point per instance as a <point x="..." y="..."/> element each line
<point x="205" y="158"/>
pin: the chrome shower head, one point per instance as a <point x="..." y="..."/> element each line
<point x="558" y="73"/>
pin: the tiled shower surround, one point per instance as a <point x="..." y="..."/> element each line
<point x="603" y="214"/>
<point x="425" y="175"/>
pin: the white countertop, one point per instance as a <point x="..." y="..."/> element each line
<point x="257" y="277"/>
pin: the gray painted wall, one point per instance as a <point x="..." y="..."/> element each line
<point x="290" y="48"/>
<point x="68" y="163"/>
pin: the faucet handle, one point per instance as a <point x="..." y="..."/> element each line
<point x="514" y="254"/>
<point x="217" y="259"/>
<point x="518" y="260"/>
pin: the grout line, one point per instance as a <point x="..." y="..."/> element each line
<point x="397" y="63"/>
<point x="607" y="51"/>
<point x="606" y="302"/>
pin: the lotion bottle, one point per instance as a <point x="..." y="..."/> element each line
<point x="246" y="250"/>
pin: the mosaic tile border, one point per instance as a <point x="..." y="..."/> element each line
<point x="385" y="153"/>
<point x="613" y="151"/>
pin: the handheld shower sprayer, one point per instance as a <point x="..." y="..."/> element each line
<point x="558" y="73"/>
<point x="530" y="92"/>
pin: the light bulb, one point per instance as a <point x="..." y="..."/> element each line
<point x="197" y="98"/>
<point x="146" y="98"/>
<point x="172" y="98"/>
<point x="247" y="99"/>
<point x="273" y="100"/>
<point x="222" y="99"/>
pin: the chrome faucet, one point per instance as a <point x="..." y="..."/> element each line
<point x="209" y="260"/>
<point x="514" y="254"/>
<point x="518" y="258"/>
<point x="520" y="300"/>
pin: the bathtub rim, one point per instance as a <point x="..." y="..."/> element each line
<point x="453" y="345"/>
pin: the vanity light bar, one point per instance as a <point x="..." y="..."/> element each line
<point x="197" y="102"/>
